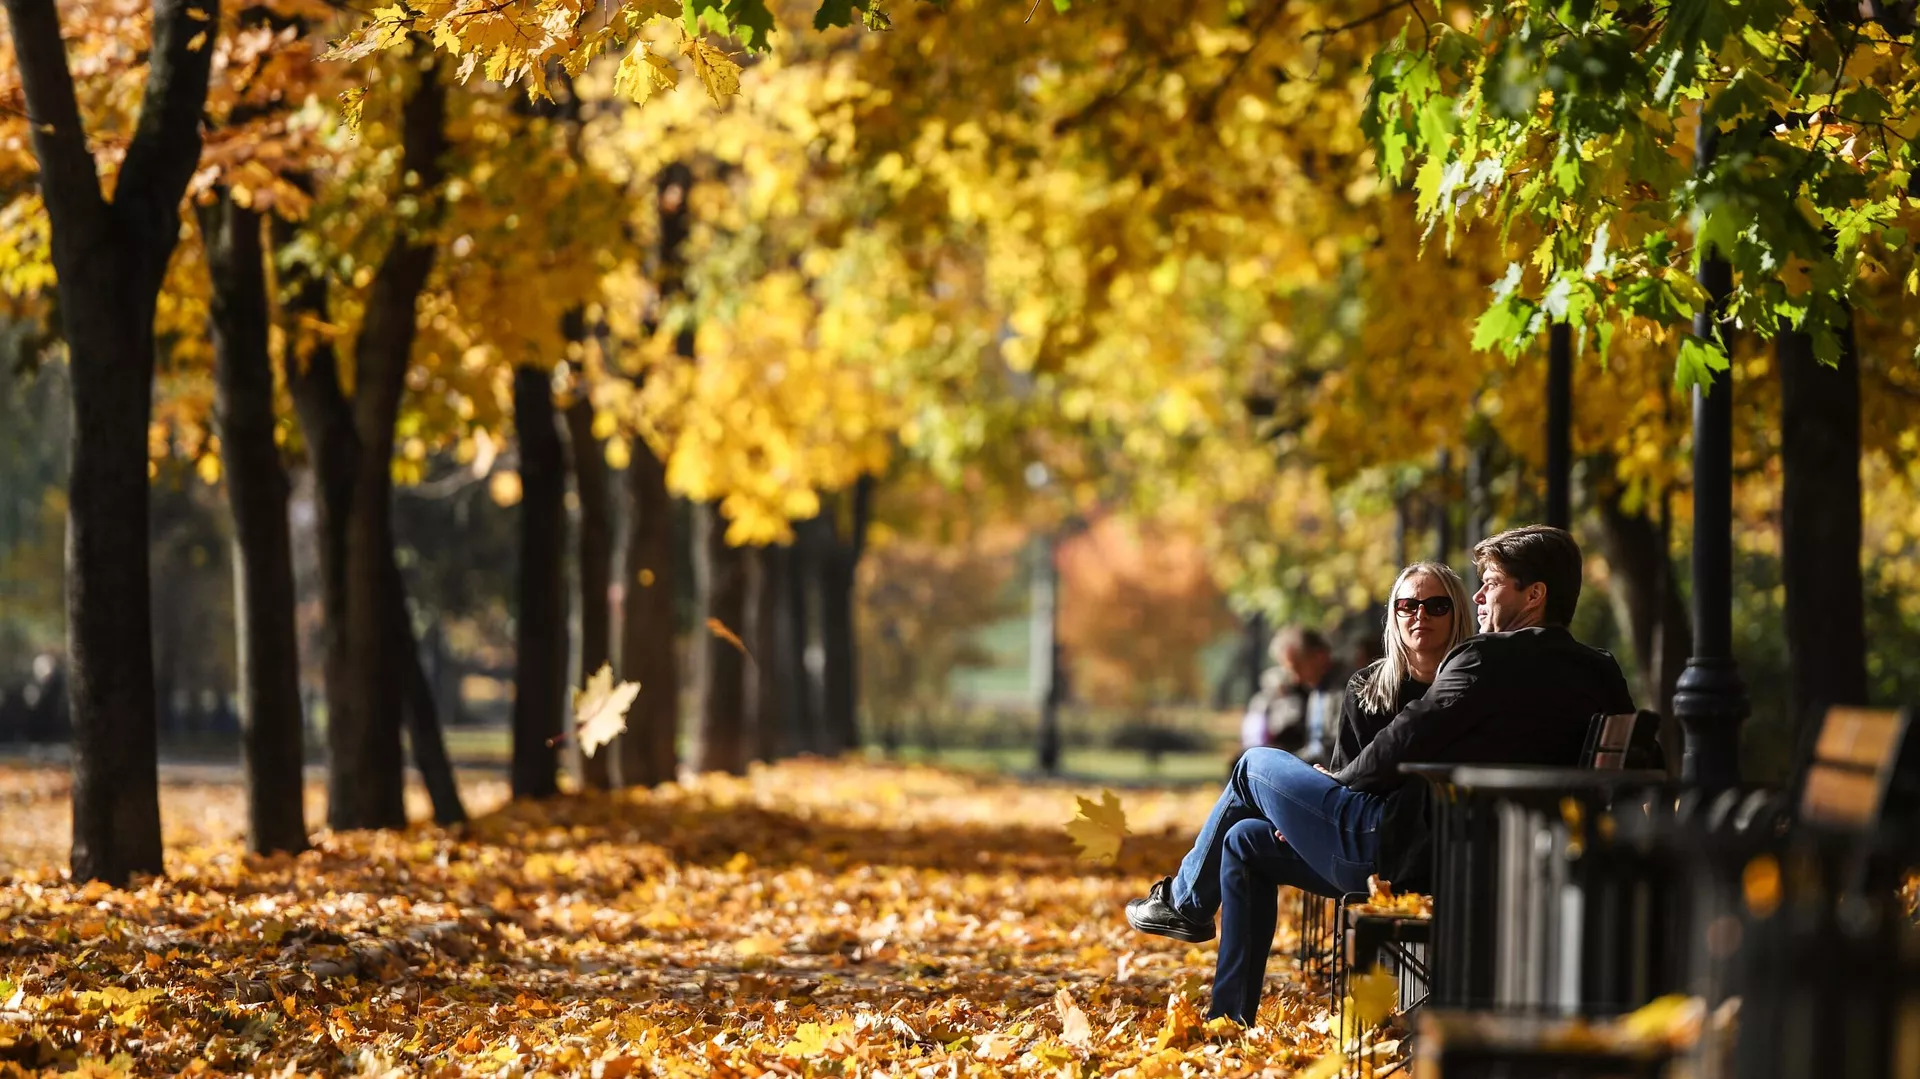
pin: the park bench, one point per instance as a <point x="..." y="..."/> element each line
<point x="1364" y="936"/>
<point x="1781" y="898"/>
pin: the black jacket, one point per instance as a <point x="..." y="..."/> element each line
<point x="1359" y="723"/>
<point x="1521" y="697"/>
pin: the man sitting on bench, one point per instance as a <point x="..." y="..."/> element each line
<point x="1522" y="692"/>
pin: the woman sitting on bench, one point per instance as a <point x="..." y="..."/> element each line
<point x="1521" y="692"/>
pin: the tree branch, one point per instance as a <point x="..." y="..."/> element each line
<point x="1375" y="16"/>
<point x="166" y="140"/>
<point x="69" y="183"/>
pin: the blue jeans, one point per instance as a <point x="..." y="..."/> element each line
<point x="1237" y="863"/>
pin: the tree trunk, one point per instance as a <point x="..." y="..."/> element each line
<point x="369" y="785"/>
<point x="1820" y="526"/>
<point x="803" y="711"/>
<point x="351" y="444"/>
<point x="648" y="751"/>
<point x="769" y="683"/>
<point x="326" y="420"/>
<point x="540" y="679"/>
<point x="424" y="735"/>
<point x="839" y="726"/>
<point x="594" y="552"/>
<point x="720" y="570"/>
<point x="835" y="560"/>
<point x="111" y="258"/>
<point x="272" y="733"/>
<point x="1649" y="609"/>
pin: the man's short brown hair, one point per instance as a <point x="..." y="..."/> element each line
<point x="1537" y="554"/>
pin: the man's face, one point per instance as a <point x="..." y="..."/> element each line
<point x="1505" y="605"/>
<point x="1307" y="665"/>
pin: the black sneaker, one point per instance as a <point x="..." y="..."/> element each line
<point x="1156" y="914"/>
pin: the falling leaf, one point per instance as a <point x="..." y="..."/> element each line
<point x="1098" y="828"/>
<point x="1372" y="997"/>
<point x="1074" y="1028"/>
<point x="719" y="629"/>
<point x="600" y="709"/>
<point x="353" y="103"/>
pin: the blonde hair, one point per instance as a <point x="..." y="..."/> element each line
<point x="1382" y="686"/>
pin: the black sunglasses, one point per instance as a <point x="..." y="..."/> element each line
<point x="1437" y="606"/>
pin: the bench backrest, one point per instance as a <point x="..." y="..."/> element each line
<point x="1626" y="740"/>
<point x="1862" y="768"/>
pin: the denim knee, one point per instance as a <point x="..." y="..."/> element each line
<point x="1248" y="840"/>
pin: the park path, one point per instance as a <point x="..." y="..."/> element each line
<point x="809" y="919"/>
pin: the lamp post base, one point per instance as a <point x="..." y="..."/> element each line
<point x="1711" y="702"/>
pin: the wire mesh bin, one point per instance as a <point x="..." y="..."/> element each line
<point x="1313" y="919"/>
<point x="1367" y="1022"/>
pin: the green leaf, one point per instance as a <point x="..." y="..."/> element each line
<point x="1506" y="324"/>
<point x="833" y="13"/>
<point x="1699" y="358"/>
<point x="751" y="21"/>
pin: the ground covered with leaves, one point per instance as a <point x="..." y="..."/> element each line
<point x="811" y="919"/>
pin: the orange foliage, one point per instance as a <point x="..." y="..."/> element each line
<point x="1138" y="603"/>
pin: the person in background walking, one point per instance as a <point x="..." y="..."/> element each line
<point x="1298" y="703"/>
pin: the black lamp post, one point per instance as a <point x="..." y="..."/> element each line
<point x="1560" y="425"/>
<point x="1711" y="698"/>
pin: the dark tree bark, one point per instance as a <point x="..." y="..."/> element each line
<point x="111" y="258"/>
<point x="1443" y="507"/>
<point x="372" y="666"/>
<point x="835" y="558"/>
<point x="540" y="668"/>
<point x="1650" y="609"/>
<point x="368" y="791"/>
<point x="271" y="722"/>
<point x="648" y="752"/>
<point x="326" y="420"/>
<point x="769" y="682"/>
<point x="1820" y="526"/>
<point x="326" y="417"/>
<point x="721" y="572"/>
<point x="593" y="550"/>
<point x="803" y="708"/>
<point x="424" y="734"/>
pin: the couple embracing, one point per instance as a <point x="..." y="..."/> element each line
<point x="1520" y="690"/>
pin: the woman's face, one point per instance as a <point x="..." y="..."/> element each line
<point x="1423" y="613"/>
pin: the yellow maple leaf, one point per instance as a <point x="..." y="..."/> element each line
<point x="353" y="104"/>
<point x="715" y="68"/>
<point x="1372" y="998"/>
<point x="600" y="709"/>
<point x="1098" y="828"/>
<point x="641" y="72"/>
